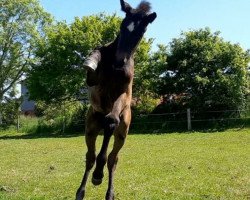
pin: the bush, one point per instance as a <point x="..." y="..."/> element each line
<point x="8" y="112"/>
<point x="61" y="117"/>
<point x="28" y="124"/>
<point x="145" y="104"/>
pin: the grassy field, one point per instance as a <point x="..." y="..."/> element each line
<point x="151" y="167"/>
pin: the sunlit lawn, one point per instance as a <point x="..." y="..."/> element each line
<point x="151" y="167"/>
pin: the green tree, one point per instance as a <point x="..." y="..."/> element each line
<point x="58" y="76"/>
<point x="156" y="66"/>
<point x="22" y="24"/>
<point x="148" y="68"/>
<point x="207" y="69"/>
<point x="142" y="68"/>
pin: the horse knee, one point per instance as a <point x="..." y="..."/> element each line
<point x="111" y="122"/>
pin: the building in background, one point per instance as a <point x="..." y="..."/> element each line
<point x="27" y="106"/>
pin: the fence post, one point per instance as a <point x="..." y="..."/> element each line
<point x="189" y="124"/>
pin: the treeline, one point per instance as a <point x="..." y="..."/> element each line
<point x="197" y="70"/>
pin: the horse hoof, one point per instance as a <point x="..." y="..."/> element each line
<point x="96" y="181"/>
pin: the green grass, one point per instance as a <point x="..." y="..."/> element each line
<point x="151" y="167"/>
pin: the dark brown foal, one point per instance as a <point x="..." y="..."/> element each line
<point x="110" y="77"/>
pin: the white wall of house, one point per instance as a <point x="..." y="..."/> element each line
<point x="27" y="105"/>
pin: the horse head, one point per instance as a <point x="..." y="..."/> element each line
<point x="133" y="27"/>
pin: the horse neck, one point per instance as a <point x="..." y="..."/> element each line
<point x="122" y="55"/>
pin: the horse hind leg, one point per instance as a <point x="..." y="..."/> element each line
<point x="92" y="129"/>
<point x="120" y="135"/>
<point x="112" y="162"/>
<point x="110" y="123"/>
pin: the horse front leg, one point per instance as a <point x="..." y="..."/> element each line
<point x="119" y="140"/>
<point x="110" y="123"/>
<point x="92" y="129"/>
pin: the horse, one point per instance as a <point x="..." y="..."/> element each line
<point x="110" y="71"/>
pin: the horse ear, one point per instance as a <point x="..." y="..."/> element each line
<point x="125" y="7"/>
<point x="151" y="17"/>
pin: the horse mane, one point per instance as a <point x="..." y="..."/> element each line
<point x="144" y="7"/>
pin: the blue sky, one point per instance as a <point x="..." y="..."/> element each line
<point x="230" y="17"/>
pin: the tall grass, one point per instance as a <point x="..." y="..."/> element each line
<point x="28" y="124"/>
